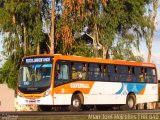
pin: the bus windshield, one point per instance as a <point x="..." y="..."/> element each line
<point x="35" y="75"/>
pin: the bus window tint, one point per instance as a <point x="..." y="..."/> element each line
<point x="123" y="73"/>
<point x="141" y="75"/>
<point x="136" y="74"/>
<point x="62" y="73"/>
<point x="106" y="73"/>
<point x="129" y="74"/>
<point x="76" y="70"/>
<point x="84" y="71"/>
<point x="150" y="75"/>
<point x="137" y="70"/>
<point x="113" y="72"/>
<point x="94" y="72"/>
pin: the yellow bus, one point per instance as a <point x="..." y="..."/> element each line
<point x="57" y="80"/>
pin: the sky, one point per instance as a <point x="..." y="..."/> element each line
<point x="155" y="58"/>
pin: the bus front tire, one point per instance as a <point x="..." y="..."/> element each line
<point x="75" y="103"/>
<point x="131" y="101"/>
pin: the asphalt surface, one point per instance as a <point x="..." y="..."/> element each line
<point x="37" y="113"/>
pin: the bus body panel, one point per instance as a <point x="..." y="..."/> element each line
<point x="62" y="99"/>
<point x="107" y="93"/>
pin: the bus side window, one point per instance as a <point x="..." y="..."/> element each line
<point x="98" y="72"/>
<point x="129" y="78"/>
<point x="62" y="73"/>
<point x="79" y="71"/>
<point x="74" y="73"/>
<point x="136" y="71"/>
<point x="146" y="79"/>
<point x="94" y="72"/>
<point x="113" y="72"/>
<point x="106" y="73"/>
<point x="76" y="70"/>
<point x="122" y="73"/>
<point x="141" y="76"/>
<point x="84" y="70"/>
<point x="151" y="75"/>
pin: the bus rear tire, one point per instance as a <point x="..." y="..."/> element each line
<point x="44" y="107"/>
<point x="75" y="103"/>
<point x="131" y="101"/>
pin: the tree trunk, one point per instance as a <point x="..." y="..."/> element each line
<point x="155" y="5"/>
<point x="52" y="30"/>
<point x="39" y="15"/>
<point x="97" y="43"/>
<point x="95" y="39"/>
<point x="23" y="36"/>
<point x="38" y="49"/>
<point x="104" y="52"/>
<point x="16" y="44"/>
<point x="25" y="40"/>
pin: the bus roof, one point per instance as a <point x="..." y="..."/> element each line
<point x="94" y="60"/>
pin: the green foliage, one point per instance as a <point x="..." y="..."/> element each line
<point x="82" y="49"/>
<point x="120" y="22"/>
<point x="9" y="74"/>
<point x="21" y="25"/>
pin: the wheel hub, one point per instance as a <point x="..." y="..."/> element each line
<point x="130" y="103"/>
<point x="76" y="103"/>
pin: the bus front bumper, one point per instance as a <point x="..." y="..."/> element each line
<point x="47" y="100"/>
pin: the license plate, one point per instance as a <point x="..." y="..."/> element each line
<point x="31" y="100"/>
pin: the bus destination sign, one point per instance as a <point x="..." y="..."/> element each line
<point x="38" y="60"/>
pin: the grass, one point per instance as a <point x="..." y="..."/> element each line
<point x="56" y="117"/>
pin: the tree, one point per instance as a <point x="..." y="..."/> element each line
<point x="107" y="28"/>
<point x="8" y="74"/>
<point x="21" y="25"/>
<point x="68" y="24"/>
<point x="155" y="7"/>
<point x="125" y="27"/>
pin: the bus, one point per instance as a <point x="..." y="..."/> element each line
<point x="52" y="80"/>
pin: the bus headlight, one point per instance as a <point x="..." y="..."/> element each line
<point x="47" y="92"/>
<point x="19" y="94"/>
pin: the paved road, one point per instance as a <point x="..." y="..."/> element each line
<point x="34" y="113"/>
<point x="130" y="114"/>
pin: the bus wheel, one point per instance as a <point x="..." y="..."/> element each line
<point x="131" y="101"/>
<point x="44" y="107"/>
<point x="75" y="103"/>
